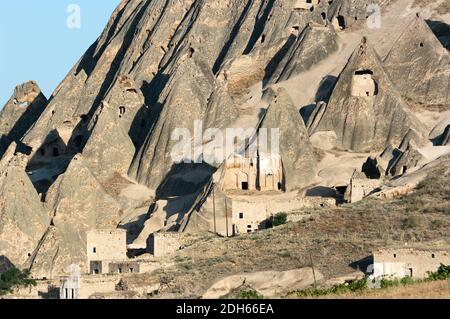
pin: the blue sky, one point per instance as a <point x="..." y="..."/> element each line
<point x="36" y="43"/>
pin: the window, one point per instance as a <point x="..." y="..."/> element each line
<point x="432" y="255"/>
<point x="241" y="215"/>
<point x="341" y="22"/>
<point x="122" y="111"/>
<point x="363" y="72"/>
<point x="244" y="186"/>
<point x="263" y="38"/>
<point x="131" y="270"/>
<point x="120" y="270"/>
<point x="94" y="250"/>
<point x="395" y="255"/>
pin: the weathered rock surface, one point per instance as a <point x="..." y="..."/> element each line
<point x="23" y="219"/>
<point x="420" y="66"/>
<point x="267" y="283"/>
<point x="77" y="203"/>
<point x="161" y="65"/>
<point x="109" y="149"/>
<point x="314" y="44"/>
<point x="184" y="103"/>
<point x="20" y="112"/>
<point x="295" y="148"/>
<point x="370" y="119"/>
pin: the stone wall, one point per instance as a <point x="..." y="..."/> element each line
<point x="165" y="243"/>
<point x="264" y="173"/>
<point x="360" y="187"/>
<point x="408" y="262"/>
<point x="106" y="245"/>
<point x="123" y="267"/>
<point x="363" y="85"/>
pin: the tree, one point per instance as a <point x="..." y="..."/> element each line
<point x="15" y="278"/>
<point x="279" y="219"/>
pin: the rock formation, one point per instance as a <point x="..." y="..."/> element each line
<point x="365" y="111"/>
<point x="23" y="219"/>
<point x="314" y="44"/>
<point x="109" y="149"/>
<point x="420" y="66"/>
<point x="77" y="203"/>
<point x="163" y="65"/>
<point x="295" y="149"/>
<point x="20" y="112"/>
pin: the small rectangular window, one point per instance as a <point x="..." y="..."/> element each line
<point x="241" y="215"/>
<point x="94" y="250"/>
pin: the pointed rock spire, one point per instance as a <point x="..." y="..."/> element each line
<point x="365" y="111"/>
<point x="420" y="66"/>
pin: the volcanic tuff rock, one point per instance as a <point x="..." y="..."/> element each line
<point x="314" y="44"/>
<point x="23" y="219"/>
<point x="295" y="148"/>
<point x="364" y="123"/>
<point x="420" y="66"/>
<point x="161" y="65"/>
<point x="184" y="102"/>
<point x="77" y="203"/>
<point x="109" y="149"/>
<point x="20" y="113"/>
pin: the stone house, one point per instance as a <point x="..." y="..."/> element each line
<point x="408" y="261"/>
<point x="360" y="186"/>
<point x="248" y="216"/>
<point x="363" y="85"/>
<point x="105" y="247"/>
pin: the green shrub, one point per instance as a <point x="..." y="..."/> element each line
<point x="388" y="282"/>
<point x="442" y="273"/>
<point x="348" y="286"/>
<point x="279" y="219"/>
<point x="15" y="278"/>
<point x="250" y="294"/>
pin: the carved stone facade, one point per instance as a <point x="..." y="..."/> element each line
<point x="363" y="84"/>
<point x="262" y="173"/>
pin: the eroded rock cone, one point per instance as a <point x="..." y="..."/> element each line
<point x="295" y="148"/>
<point x="23" y="219"/>
<point x="419" y="65"/>
<point x="77" y="203"/>
<point x="365" y="110"/>
<point x="20" y="112"/>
